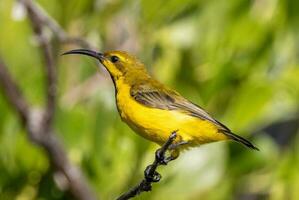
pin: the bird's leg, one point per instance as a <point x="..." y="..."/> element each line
<point x="174" y="152"/>
<point x="177" y="145"/>
<point x="160" y="157"/>
<point x="160" y="153"/>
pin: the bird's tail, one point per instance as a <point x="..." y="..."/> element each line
<point x="241" y="140"/>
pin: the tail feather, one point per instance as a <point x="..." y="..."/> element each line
<point x="241" y="140"/>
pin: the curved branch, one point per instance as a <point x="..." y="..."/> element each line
<point x="50" y="67"/>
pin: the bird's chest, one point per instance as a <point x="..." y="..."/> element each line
<point x="138" y="117"/>
<point x="128" y="108"/>
<point x="124" y="103"/>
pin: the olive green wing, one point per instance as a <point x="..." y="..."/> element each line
<point x="157" y="96"/>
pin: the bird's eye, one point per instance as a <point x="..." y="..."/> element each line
<point x="114" y="59"/>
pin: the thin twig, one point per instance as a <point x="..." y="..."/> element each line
<point x="151" y="176"/>
<point x="13" y="93"/>
<point x="40" y="20"/>
<point x="77" y="183"/>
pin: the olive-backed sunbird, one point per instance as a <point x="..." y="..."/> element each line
<point x="153" y="110"/>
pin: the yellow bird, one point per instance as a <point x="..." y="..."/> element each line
<point x="153" y="110"/>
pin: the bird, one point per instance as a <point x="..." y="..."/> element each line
<point x="154" y="111"/>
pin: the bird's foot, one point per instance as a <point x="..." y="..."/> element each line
<point x="162" y="160"/>
<point x="151" y="177"/>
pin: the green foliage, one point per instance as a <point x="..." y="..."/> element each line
<point x="238" y="59"/>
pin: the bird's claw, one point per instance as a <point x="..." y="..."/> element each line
<point x="156" y="177"/>
<point x="162" y="160"/>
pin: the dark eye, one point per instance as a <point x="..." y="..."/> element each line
<point x="114" y="59"/>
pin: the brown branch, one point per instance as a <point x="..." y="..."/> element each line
<point x="39" y="124"/>
<point x="150" y="174"/>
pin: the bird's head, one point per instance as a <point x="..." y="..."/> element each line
<point x="118" y="63"/>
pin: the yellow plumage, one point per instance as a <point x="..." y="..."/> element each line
<point x="156" y="124"/>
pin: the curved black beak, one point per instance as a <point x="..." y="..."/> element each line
<point x="87" y="52"/>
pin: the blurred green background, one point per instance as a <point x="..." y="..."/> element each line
<point x="239" y="59"/>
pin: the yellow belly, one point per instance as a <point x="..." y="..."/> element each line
<point x="157" y="124"/>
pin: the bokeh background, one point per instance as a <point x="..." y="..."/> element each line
<point x="239" y="59"/>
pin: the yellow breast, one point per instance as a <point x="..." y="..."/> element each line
<point x="157" y="124"/>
